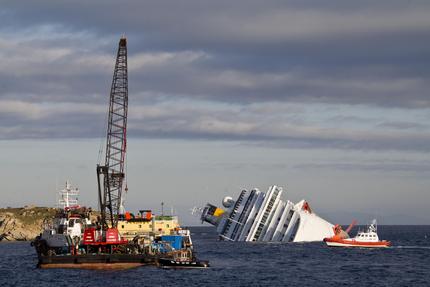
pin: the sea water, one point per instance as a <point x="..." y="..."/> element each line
<point x="406" y="263"/>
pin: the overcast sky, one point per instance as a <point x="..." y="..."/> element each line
<point x="329" y="99"/>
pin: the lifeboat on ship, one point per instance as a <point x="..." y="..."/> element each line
<point x="366" y="239"/>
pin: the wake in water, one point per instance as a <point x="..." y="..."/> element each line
<point x="411" y="247"/>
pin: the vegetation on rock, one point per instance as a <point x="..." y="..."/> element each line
<point x="24" y="223"/>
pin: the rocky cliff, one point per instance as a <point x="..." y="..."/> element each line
<point x="23" y="223"/>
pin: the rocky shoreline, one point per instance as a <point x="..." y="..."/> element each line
<point x="24" y="223"/>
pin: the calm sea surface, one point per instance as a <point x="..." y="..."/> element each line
<point x="407" y="263"/>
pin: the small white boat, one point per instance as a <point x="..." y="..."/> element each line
<point x="368" y="239"/>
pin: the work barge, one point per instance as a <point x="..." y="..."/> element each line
<point x="72" y="240"/>
<point x="116" y="239"/>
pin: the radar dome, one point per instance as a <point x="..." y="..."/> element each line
<point x="227" y="202"/>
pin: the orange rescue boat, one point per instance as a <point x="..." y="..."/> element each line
<point x="367" y="239"/>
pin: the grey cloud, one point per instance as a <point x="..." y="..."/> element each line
<point x="287" y="129"/>
<point x="408" y="166"/>
<point x="404" y="125"/>
<point x="24" y="120"/>
<point x="271" y="126"/>
<point x="367" y="53"/>
<point x="250" y="61"/>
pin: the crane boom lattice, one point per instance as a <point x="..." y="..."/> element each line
<point x="112" y="173"/>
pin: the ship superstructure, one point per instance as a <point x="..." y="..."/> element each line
<point x="67" y="227"/>
<point x="265" y="216"/>
<point x="146" y="224"/>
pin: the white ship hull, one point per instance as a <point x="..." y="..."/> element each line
<point x="264" y="216"/>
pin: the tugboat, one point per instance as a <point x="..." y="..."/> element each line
<point x="181" y="254"/>
<point x="66" y="229"/>
<point x="367" y="239"/>
<point x="182" y="259"/>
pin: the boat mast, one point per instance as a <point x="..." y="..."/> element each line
<point x="68" y="197"/>
<point x="112" y="174"/>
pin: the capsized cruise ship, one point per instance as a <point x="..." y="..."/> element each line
<point x="265" y="216"/>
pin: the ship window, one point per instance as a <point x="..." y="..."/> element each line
<point x="140" y="225"/>
<point x="167" y="225"/>
<point x="122" y="226"/>
<point x="61" y="228"/>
